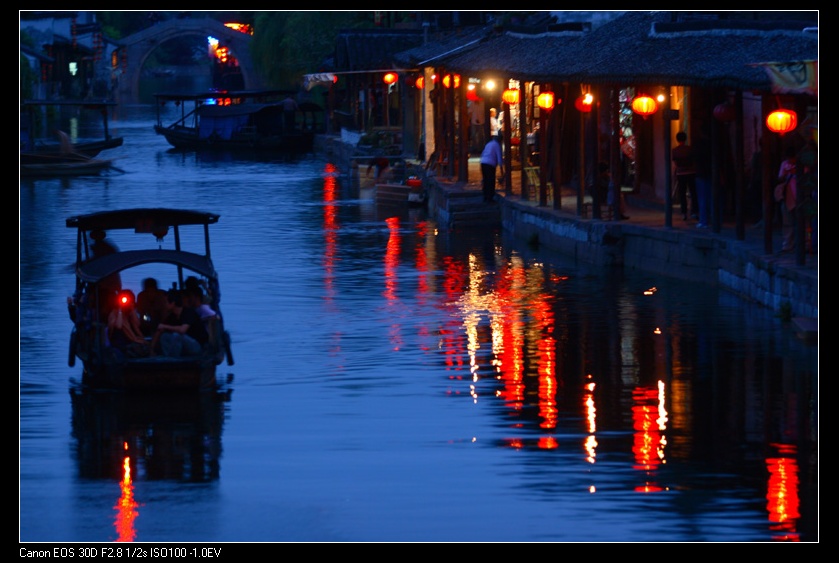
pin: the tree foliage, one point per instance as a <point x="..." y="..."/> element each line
<point x="287" y="45"/>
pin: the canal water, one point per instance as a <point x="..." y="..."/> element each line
<point x="397" y="382"/>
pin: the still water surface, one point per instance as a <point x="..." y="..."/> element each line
<point x="397" y="382"/>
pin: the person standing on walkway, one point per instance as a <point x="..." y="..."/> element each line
<point x="683" y="157"/>
<point x="491" y="158"/>
<point x="494" y="125"/>
<point x="702" y="182"/>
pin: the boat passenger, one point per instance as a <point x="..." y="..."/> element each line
<point x="111" y="285"/>
<point x="151" y="305"/>
<point x="182" y="333"/>
<point x="124" y="331"/>
<point x="194" y="297"/>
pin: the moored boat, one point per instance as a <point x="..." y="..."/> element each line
<point x="237" y="120"/>
<point x="36" y="114"/>
<point x="157" y="249"/>
<point x="47" y="166"/>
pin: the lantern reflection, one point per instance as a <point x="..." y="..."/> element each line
<point x="649" y="419"/>
<point x="126" y="506"/>
<point x="330" y="229"/>
<point x="392" y="250"/>
<point x="782" y="492"/>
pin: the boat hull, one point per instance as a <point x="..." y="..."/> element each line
<point x="299" y="142"/>
<point x="91" y="167"/>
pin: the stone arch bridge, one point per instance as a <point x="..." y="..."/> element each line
<point x="140" y="45"/>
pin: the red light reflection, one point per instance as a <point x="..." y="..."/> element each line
<point x="330" y="229"/>
<point x="126" y="505"/>
<point x="782" y="492"/>
<point x="394" y="244"/>
<point x="649" y="421"/>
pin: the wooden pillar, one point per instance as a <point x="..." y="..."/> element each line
<point x="769" y="177"/>
<point x="465" y="123"/>
<point x="524" y="148"/>
<point x="739" y="185"/>
<point x="581" y="172"/>
<point x="594" y="130"/>
<point x="668" y="167"/>
<point x="450" y="127"/>
<point x="553" y="157"/>
<point x="615" y="168"/>
<point x="543" y="157"/>
<point x="508" y="155"/>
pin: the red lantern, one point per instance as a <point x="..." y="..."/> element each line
<point x="448" y="78"/>
<point x="782" y="121"/>
<point x="584" y="103"/>
<point x="545" y="100"/>
<point x="724" y="112"/>
<point x="511" y="95"/>
<point x="420" y="83"/>
<point x="644" y="105"/>
<point x="390" y="78"/>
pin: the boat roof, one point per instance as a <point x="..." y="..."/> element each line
<point x="141" y="219"/>
<point x="96" y="269"/>
<point x="236" y="109"/>
<point x="164" y="96"/>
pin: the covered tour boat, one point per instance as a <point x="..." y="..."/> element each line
<point x="237" y="120"/>
<point x="154" y="244"/>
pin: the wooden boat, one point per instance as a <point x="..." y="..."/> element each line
<point x="47" y="166"/>
<point x="236" y="120"/>
<point x="34" y="118"/>
<point x="157" y="236"/>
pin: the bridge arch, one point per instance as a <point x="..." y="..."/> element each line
<point x="139" y="46"/>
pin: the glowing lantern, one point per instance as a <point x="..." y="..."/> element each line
<point x="511" y="95"/>
<point x="472" y="96"/>
<point x="644" y="105"/>
<point x="447" y="80"/>
<point x="724" y="112"/>
<point x="584" y="103"/>
<point x="390" y="78"/>
<point x="782" y="121"/>
<point x="420" y="83"/>
<point x="545" y="100"/>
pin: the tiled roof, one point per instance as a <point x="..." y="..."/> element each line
<point x="640" y="47"/>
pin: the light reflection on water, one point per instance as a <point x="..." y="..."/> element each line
<point x="396" y="382"/>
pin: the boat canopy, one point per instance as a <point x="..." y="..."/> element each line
<point x="142" y="220"/>
<point x="97" y="269"/>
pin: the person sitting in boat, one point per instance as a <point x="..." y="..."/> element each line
<point x="182" y="333"/>
<point x="124" y="331"/>
<point x="151" y="305"/>
<point x="194" y="297"/>
<point x="111" y="285"/>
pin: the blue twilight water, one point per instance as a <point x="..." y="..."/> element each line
<point x="397" y="382"/>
